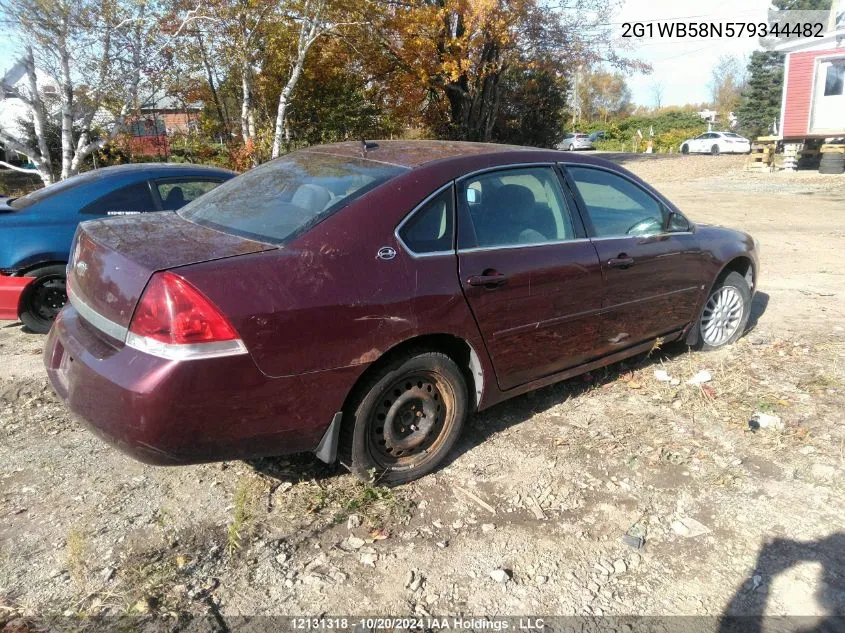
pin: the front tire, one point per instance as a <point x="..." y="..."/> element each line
<point x="714" y="150"/>
<point x="405" y="419"/>
<point x="43" y="298"/>
<point x="571" y="148"/>
<point x="684" y="149"/>
<point x="725" y="314"/>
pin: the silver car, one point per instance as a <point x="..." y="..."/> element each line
<point x="573" y="141"/>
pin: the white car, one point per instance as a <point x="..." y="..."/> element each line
<point x="574" y="141"/>
<point x="716" y="143"/>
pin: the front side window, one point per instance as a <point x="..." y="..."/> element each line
<point x="285" y="197"/>
<point x="175" y="194"/>
<point x="430" y="230"/>
<point x="616" y="206"/>
<point x="514" y="207"/>
<point x="124" y="201"/>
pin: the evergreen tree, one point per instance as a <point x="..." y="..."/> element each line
<point x="761" y="98"/>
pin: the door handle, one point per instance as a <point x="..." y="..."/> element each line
<point x="621" y="261"/>
<point x="489" y="279"/>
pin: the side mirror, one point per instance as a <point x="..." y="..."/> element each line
<point x="676" y="223"/>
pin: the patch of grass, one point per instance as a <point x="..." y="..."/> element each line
<point x="244" y="511"/>
<point x="75" y="555"/>
<point x="818" y="381"/>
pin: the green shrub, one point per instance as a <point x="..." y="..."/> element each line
<point x="670" y="141"/>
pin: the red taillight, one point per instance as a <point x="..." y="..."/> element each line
<point x="173" y="312"/>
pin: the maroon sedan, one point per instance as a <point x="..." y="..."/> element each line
<point x="360" y="302"/>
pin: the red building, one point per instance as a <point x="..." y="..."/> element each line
<point x="158" y="121"/>
<point x="813" y="101"/>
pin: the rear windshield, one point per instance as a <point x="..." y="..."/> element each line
<point x="285" y="197"/>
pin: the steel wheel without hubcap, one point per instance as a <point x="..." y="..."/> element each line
<point x="43" y="298"/>
<point x="410" y="420"/>
<point x="48" y="298"/>
<point x="722" y="316"/>
<point x="405" y="418"/>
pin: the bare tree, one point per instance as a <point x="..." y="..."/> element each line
<point x="727" y="80"/>
<point x="313" y="22"/>
<point x="657" y="89"/>
<point x="101" y="55"/>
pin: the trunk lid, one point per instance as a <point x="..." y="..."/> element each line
<point x="113" y="259"/>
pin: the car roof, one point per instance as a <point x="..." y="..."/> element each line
<point x="412" y="154"/>
<point x="446" y="160"/>
<point x="158" y="168"/>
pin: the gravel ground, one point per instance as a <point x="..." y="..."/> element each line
<point x="529" y="514"/>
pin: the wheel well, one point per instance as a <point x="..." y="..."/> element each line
<point x="23" y="271"/>
<point x="742" y="265"/>
<point x="454" y="347"/>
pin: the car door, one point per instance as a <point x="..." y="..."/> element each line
<point x="530" y="276"/>
<point x="650" y="257"/>
<point x="174" y="193"/>
<point x="699" y="142"/>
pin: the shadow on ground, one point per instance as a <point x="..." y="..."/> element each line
<point x="746" y="609"/>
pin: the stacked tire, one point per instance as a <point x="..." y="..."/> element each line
<point x="832" y="163"/>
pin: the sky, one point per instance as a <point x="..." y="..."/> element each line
<point x="683" y="65"/>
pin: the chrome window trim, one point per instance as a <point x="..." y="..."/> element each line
<point x="477" y="249"/>
<point x="115" y="330"/>
<point x="639" y="237"/>
<point x="413" y="212"/>
<point x="503" y="167"/>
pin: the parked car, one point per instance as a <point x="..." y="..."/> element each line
<point x="363" y="303"/>
<point x="598" y="135"/>
<point x="573" y="141"/>
<point x="716" y="143"/>
<point x="36" y="230"/>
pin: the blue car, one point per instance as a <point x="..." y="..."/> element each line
<point x="36" y="230"/>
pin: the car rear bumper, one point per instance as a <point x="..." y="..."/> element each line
<point x="178" y="412"/>
<point x="11" y="289"/>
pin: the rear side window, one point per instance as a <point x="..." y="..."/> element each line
<point x="285" y="197"/>
<point x="430" y="230"/>
<point x="514" y="207"/>
<point x="175" y="194"/>
<point x="124" y="201"/>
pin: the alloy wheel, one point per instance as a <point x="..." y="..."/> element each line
<point x="722" y="316"/>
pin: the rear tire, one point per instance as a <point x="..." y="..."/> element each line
<point x="714" y="150"/>
<point x="405" y="420"/>
<point x="43" y="298"/>
<point x="684" y="149"/>
<point x="725" y="314"/>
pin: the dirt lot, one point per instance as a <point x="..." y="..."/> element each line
<point x="542" y="487"/>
